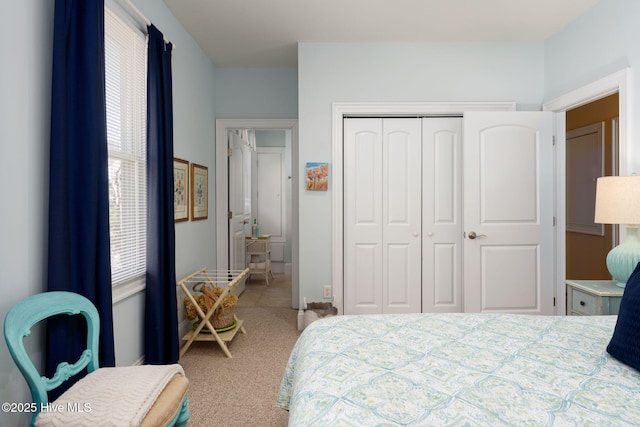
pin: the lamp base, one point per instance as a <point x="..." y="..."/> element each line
<point x="623" y="259"/>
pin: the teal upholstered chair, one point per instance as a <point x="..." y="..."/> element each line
<point x="134" y="395"/>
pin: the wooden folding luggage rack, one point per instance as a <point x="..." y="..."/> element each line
<point x="229" y="279"/>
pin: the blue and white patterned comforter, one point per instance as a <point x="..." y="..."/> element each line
<point x="458" y="369"/>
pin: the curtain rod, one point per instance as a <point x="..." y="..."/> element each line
<point x="146" y="20"/>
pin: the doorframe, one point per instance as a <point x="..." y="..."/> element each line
<point x="617" y="82"/>
<point x="386" y="109"/>
<point x="222" y="190"/>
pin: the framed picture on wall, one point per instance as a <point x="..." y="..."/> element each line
<point x="317" y="176"/>
<point x="180" y="190"/>
<point x="199" y="192"/>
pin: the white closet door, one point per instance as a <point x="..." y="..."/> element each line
<point x="508" y="203"/>
<point x="442" y="241"/>
<point x="401" y="217"/>
<point x="382" y="215"/>
<point x="363" y="216"/>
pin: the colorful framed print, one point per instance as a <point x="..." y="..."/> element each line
<point x="317" y="176"/>
<point x="199" y="192"/>
<point x="180" y="190"/>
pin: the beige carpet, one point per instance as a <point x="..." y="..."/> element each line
<point x="241" y="391"/>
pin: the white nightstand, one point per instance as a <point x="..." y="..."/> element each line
<point x="593" y="297"/>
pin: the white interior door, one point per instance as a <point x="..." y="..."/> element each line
<point x="442" y="229"/>
<point x="401" y="215"/>
<point x="239" y="201"/>
<point x="270" y="185"/>
<point x="508" y="204"/>
<point x="382" y="215"/>
<point x="363" y="216"/>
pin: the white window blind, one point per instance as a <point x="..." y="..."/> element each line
<point x="125" y="72"/>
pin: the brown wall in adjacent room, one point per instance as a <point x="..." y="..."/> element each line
<point x="586" y="253"/>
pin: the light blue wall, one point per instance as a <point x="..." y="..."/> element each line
<point x="25" y="84"/>
<point x="256" y="93"/>
<point x="25" y="75"/>
<point x="601" y="42"/>
<point x="271" y="138"/>
<point x="392" y="72"/>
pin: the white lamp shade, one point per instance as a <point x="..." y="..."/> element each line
<point x="618" y="200"/>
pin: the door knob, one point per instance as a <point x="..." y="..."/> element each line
<point x="473" y="235"/>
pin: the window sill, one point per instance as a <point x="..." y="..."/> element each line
<point x="123" y="291"/>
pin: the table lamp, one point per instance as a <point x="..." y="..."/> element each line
<point x="618" y="202"/>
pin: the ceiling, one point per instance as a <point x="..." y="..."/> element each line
<point x="265" y="33"/>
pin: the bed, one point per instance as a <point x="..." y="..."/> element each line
<point x="459" y="369"/>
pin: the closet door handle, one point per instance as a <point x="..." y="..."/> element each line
<point x="473" y="235"/>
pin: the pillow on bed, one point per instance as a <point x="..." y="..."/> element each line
<point x="625" y="342"/>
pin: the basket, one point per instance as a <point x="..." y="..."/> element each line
<point x="224" y="314"/>
<point x="223" y="319"/>
<point x="226" y="322"/>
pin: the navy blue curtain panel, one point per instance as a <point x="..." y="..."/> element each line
<point x="78" y="248"/>
<point x="161" y="343"/>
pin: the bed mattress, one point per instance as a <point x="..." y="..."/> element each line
<point x="458" y="369"/>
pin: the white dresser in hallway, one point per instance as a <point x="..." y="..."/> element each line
<point x="258" y="251"/>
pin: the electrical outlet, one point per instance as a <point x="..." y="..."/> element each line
<point x="327" y="291"/>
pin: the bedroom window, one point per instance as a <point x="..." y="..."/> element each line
<point x="125" y="72"/>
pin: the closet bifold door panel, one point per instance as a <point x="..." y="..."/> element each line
<point x="401" y="215"/>
<point x="362" y="216"/>
<point x="382" y="220"/>
<point x="442" y="226"/>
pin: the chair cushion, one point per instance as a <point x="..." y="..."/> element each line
<point x="625" y="342"/>
<point x="119" y="396"/>
<point x="168" y="404"/>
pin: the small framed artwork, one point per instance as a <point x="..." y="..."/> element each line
<point x="317" y="176"/>
<point x="180" y="190"/>
<point x="199" y="192"/>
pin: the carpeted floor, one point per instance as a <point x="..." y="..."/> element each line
<point x="241" y="391"/>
